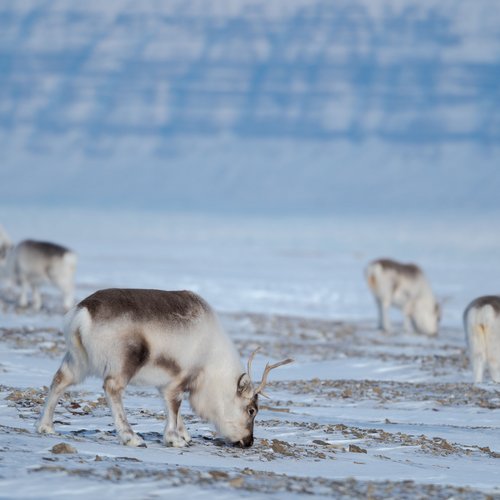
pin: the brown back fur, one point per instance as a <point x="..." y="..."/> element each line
<point x="410" y="270"/>
<point x="492" y="300"/>
<point x="46" y="248"/>
<point x="145" y="305"/>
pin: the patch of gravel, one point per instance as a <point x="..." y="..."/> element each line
<point x="316" y="339"/>
<point x="29" y="403"/>
<point x="443" y="394"/>
<point x="248" y="480"/>
<point x="49" y="341"/>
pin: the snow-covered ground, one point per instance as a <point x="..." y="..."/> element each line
<point x="358" y="414"/>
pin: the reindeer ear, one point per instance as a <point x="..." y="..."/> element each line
<point x="244" y="384"/>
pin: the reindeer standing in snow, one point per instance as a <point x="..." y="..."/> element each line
<point x="482" y="331"/>
<point x="31" y="263"/>
<point x="169" y="340"/>
<point x="403" y="286"/>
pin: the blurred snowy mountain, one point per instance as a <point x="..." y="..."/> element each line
<point x="284" y="105"/>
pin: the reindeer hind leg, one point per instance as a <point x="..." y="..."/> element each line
<point x="478" y="351"/>
<point x="113" y="387"/>
<point x="65" y="376"/>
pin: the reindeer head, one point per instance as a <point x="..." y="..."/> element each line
<point x="426" y="316"/>
<point x="244" y="405"/>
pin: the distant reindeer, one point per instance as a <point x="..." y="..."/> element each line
<point x="403" y="286"/>
<point x="31" y="263"/>
<point x="482" y="331"/>
<point x="170" y="340"/>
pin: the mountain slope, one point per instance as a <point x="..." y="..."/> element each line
<point x="285" y="105"/>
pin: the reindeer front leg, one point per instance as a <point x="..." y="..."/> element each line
<point x="113" y="387"/>
<point x="175" y="433"/>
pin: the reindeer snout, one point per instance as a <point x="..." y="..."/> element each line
<point x="245" y="442"/>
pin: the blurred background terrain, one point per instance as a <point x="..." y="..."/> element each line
<point x="249" y="106"/>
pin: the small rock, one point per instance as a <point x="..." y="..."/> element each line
<point x="218" y="474"/>
<point x="346" y="393"/>
<point x="128" y="459"/>
<point x="15" y="396"/>
<point x="63" y="448"/>
<point x="237" y="482"/>
<point x="356" y="449"/>
<point x="281" y="447"/>
<point x="320" y="442"/>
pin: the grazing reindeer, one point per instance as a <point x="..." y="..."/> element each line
<point x="31" y="263"/>
<point x="482" y="332"/>
<point x="403" y="286"/>
<point x="169" y="340"/>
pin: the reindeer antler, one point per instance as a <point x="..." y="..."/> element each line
<point x="249" y="363"/>
<point x="267" y="369"/>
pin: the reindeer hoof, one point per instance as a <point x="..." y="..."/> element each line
<point x="175" y="440"/>
<point x="134" y="440"/>
<point x="45" y="429"/>
<point x="186" y="437"/>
